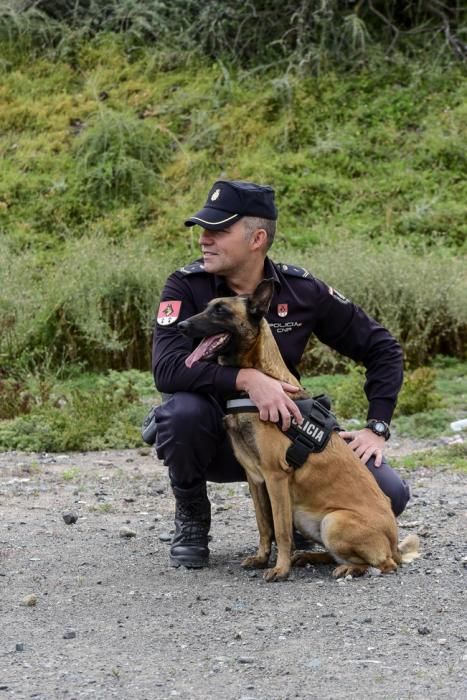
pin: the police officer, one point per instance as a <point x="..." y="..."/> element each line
<point x="237" y="227"/>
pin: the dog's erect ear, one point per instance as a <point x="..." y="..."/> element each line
<point x="258" y="302"/>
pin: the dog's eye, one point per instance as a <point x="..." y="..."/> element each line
<point x="220" y="310"/>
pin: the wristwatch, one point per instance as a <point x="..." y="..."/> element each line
<point x="379" y="427"/>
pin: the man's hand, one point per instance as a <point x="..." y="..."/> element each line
<point x="365" y="443"/>
<point x="271" y="396"/>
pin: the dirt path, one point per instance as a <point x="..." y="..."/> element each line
<point x="112" y="620"/>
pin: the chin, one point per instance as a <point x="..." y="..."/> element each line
<point x="212" y="265"/>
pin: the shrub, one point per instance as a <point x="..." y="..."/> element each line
<point x="420" y="298"/>
<point x="96" y="306"/>
<point x="307" y="33"/>
<point x="418" y="393"/>
<point x="350" y="399"/>
<point x="84" y="421"/>
<point x="119" y="156"/>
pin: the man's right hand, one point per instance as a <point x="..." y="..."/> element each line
<point x="271" y="396"/>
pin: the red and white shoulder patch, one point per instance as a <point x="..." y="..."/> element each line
<point x="168" y="312"/>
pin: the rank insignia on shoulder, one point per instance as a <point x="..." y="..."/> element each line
<point x="193" y="267"/>
<point x="294" y="270"/>
<point x="168" y="312"/>
<point x="340" y="297"/>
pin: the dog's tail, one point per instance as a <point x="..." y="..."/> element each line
<point x="409" y="549"/>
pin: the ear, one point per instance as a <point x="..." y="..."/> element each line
<point x="258" y="302"/>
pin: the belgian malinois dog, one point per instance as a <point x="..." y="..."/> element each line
<point x="333" y="498"/>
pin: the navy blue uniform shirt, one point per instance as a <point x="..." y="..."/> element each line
<point x="302" y="305"/>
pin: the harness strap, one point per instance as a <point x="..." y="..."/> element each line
<point x="311" y="436"/>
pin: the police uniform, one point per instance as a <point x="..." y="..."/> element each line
<point x="190" y="435"/>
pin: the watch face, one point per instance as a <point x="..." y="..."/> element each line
<point x="380" y="427"/>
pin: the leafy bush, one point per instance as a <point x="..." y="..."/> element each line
<point x="119" y="156"/>
<point x="108" y="416"/>
<point x="421" y="299"/>
<point x="95" y="306"/>
<point x="14" y="398"/>
<point x="350" y="399"/>
<point x="309" y="33"/>
<point x="419" y="393"/>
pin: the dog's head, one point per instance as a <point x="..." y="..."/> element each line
<point x="229" y="326"/>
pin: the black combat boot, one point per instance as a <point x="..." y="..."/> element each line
<point x="192" y="522"/>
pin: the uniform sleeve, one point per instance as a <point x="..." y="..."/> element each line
<point x="345" y="327"/>
<point x="171" y="348"/>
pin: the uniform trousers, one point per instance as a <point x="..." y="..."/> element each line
<point x="192" y="442"/>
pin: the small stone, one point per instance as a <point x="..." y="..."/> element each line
<point x="29" y="601"/>
<point x="442" y="641"/>
<point x="69" y="634"/>
<point x="126" y="532"/>
<point x="19" y="646"/>
<point x="69" y="517"/>
<point x="423" y="629"/>
<point x="313" y="663"/>
<point x="246" y="660"/>
<point x="165" y="537"/>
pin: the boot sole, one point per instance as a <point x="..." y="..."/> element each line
<point x="176" y="562"/>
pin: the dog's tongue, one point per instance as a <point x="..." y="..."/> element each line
<point x="206" y="347"/>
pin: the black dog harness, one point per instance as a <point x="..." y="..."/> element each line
<point x="311" y="436"/>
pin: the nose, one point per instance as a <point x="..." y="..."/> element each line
<point x="206" y="237"/>
<point x="183" y="326"/>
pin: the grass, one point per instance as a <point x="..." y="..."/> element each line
<point x="119" y="146"/>
<point x="89" y="411"/>
<point x="445" y="457"/>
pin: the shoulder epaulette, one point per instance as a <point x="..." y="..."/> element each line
<point x="192" y="268"/>
<point x="294" y="270"/>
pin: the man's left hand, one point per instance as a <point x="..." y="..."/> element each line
<point x="365" y="443"/>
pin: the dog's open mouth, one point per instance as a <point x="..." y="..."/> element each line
<point x="207" y="348"/>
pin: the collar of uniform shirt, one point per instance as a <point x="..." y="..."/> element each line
<point x="269" y="271"/>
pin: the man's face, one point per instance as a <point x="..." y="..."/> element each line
<point x="225" y="251"/>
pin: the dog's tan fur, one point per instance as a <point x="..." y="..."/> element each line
<point x="332" y="498"/>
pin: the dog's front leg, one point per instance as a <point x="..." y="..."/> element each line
<point x="264" y="521"/>
<point x="281" y="503"/>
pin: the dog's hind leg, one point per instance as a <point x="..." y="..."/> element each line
<point x="265" y="524"/>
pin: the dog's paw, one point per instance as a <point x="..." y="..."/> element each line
<point x="349" y="570"/>
<point x="276" y="574"/>
<point x="255" y="562"/>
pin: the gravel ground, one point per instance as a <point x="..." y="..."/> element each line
<point x="87" y="613"/>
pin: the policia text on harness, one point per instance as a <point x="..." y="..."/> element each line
<point x="311" y="436"/>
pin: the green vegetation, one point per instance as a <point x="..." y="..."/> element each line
<point x="81" y="413"/>
<point x="116" y="116"/>
<point x="89" y="411"/>
<point x="449" y="457"/>
<point x="430" y="399"/>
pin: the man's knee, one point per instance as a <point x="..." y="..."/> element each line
<point x="391" y="484"/>
<point x="400" y="496"/>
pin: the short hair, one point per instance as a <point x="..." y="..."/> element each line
<point x="252" y="223"/>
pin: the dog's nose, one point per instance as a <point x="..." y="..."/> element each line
<point x="183" y="326"/>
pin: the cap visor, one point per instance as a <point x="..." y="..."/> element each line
<point x="213" y="219"/>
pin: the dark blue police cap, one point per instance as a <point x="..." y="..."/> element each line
<point x="229" y="200"/>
